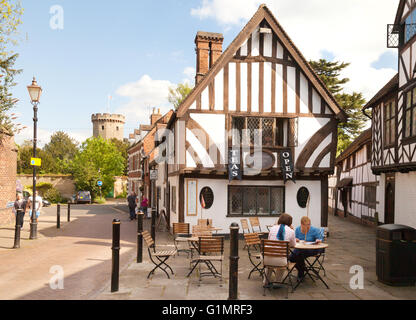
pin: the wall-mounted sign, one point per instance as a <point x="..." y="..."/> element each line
<point x="302" y="197"/>
<point x="286" y="162"/>
<point x="99" y="183"/>
<point x="153" y="175"/>
<point x="234" y="165"/>
<point x="206" y="197"/>
<point x="191" y="198"/>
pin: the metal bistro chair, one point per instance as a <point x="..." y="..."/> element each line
<point x="272" y="249"/>
<point x="198" y="231"/>
<point x="181" y="232"/>
<point x="253" y="242"/>
<point x="210" y="250"/>
<point x="255" y="223"/>
<point x="318" y="263"/>
<point x="159" y="258"/>
<point x="245" y="228"/>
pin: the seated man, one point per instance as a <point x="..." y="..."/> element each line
<point x="309" y="234"/>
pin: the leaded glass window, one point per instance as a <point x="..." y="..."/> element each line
<point x="255" y="200"/>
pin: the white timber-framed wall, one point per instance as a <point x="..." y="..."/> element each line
<point x="260" y="80"/>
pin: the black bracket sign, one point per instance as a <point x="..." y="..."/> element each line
<point x="234" y="165"/>
<point x="286" y="162"/>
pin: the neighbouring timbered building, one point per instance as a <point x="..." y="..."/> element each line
<point x="353" y="189"/>
<point x="261" y="82"/>
<point x="394" y="125"/>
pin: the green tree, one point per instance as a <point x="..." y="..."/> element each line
<point x="122" y="147"/>
<point x="25" y="153"/>
<point x="97" y="160"/>
<point x="178" y="94"/>
<point x="10" y="13"/>
<point x="62" y="148"/>
<point x="352" y="104"/>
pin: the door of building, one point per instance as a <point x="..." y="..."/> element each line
<point x="389" y="200"/>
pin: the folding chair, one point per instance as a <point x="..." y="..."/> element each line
<point x="180" y="233"/>
<point x="273" y="250"/>
<point x="318" y="258"/>
<point x="210" y="250"/>
<point x="252" y="240"/>
<point x="205" y="222"/>
<point x="255" y="223"/>
<point x="244" y="226"/>
<point x="159" y="258"/>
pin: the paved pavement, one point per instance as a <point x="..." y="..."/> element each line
<point x="82" y="248"/>
<point x="349" y="245"/>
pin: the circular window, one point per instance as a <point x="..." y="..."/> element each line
<point x="302" y="197"/>
<point x="266" y="159"/>
<point x="206" y="197"/>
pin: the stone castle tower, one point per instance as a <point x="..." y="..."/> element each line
<point x="108" y="126"/>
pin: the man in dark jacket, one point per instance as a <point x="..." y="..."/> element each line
<point x="132" y="201"/>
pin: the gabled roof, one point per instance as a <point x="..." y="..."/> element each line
<point x="361" y="140"/>
<point x="263" y="13"/>
<point x="399" y="13"/>
<point x="392" y="85"/>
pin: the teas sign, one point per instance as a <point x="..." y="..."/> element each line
<point x="234" y="165"/>
<point x="286" y="161"/>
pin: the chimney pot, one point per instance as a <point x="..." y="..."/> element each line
<point x="208" y="50"/>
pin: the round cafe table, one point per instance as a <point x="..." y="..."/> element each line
<point x="308" y="265"/>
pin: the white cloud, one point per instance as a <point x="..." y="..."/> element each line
<point x="143" y="95"/>
<point x="354" y="31"/>
<point x="189" y="72"/>
<point x="44" y="136"/>
<point x="146" y="94"/>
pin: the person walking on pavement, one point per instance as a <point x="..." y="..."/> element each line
<point x="144" y="204"/>
<point x="37" y="206"/>
<point x="131" y="199"/>
<point x="20" y="209"/>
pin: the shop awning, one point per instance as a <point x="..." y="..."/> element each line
<point x="344" y="183"/>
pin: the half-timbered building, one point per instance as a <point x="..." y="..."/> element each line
<point x="353" y="189"/>
<point x="261" y="82"/>
<point x="394" y="125"/>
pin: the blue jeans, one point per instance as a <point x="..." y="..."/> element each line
<point x="298" y="256"/>
<point x="132" y="212"/>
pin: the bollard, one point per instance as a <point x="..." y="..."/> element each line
<point x="233" y="282"/>
<point x="140" y="236"/>
<point x="18" y="227"/>
<point x="153" y="228"/>
<point x="69" y="212"/>
<point x="116" y="256"/>
<point x="58" y="216"/>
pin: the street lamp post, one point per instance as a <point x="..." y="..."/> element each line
<point x="35" y="92"/>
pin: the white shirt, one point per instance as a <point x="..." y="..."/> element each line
<point x="38" y="202"/>
<point x="289" y="235"/>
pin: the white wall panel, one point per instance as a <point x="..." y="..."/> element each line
<point x="279" y="88"/>
<point x="232" y="94"/>
<point x="304" y="94"/>
<point x="291" y="90"/>
<point x="267" y="101"/>
<point x="219" y="90"/>
<point x="243" y="75"/>
<point x="255" y="87"/>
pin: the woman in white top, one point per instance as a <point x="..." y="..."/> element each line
<point x="282" y="231"/>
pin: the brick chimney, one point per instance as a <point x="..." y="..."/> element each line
<point x="208" y="50"/>
<point x="155" y="116"/>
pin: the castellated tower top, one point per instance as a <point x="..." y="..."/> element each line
<point x="108" y="126"/>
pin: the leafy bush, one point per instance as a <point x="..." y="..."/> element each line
<point x="53" y="196"/>
<point x="41" y="187"/>
<point x="122" y="195"/>
<point x="99" y="200"/>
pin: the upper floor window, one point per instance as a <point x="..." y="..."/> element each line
<point x="267" y="131"/>
<point x="389" y="123"/>
<point x="410" y="26"/>
<point x="410" y="114"/>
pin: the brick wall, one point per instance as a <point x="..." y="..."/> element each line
<point x="8" y="167"/>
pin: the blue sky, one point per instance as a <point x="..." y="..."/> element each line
<point x="121" y="49"/>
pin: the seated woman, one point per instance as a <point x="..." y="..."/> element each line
<point x="283" y="231"/>
<point x="306" y="233"/>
